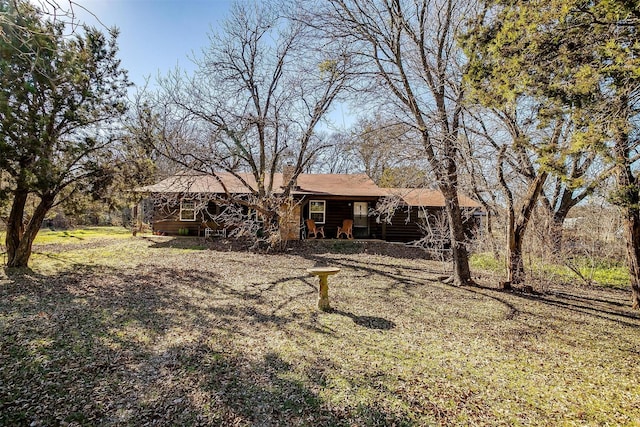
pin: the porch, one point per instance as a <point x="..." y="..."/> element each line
<point x="331" y="212"/>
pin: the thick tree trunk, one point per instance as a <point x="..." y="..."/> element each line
<point x="557" y="222"/>
<point x="632" y="220"/>
<point x="15" y="225"/>
<point x="515" y="264"/>
<point x="459" y="253"/>
<point x="628" y="184"/>
<point x="629" y="195"/>
<point x="19" y="252"/>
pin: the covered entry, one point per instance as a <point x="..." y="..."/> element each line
<point x="330" y="213"/>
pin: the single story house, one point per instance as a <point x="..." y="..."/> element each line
<point x="328" y="199"/>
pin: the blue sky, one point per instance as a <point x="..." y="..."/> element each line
<point x="156" y="35"/>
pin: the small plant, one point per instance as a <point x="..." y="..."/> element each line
<point x="487" y="261"/>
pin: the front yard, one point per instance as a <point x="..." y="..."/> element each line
<point x="157" y="330"/>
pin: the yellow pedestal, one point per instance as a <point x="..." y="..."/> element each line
<point x="323" y="274"/>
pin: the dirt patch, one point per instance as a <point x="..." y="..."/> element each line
<point x="321" y="246"/>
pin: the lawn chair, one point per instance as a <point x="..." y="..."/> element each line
<point x="346" y="229"/>
<point x="313" y="229"/>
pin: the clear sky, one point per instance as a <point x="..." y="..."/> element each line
<point x="156" y="35"/>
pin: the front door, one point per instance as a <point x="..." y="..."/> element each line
<point x="360" y="220"/>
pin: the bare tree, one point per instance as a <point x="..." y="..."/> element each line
<point x="408" y="56"/>
<point x="389" y="152"/>
<point x="336" y="157"/>
<point x="480" y="181"/>
<point x="261" y="89"/>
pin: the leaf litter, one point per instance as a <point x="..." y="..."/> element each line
<point x="165" y="331"/>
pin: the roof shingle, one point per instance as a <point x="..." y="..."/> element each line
<point x="428" y="197"/>
<point x="310" y="184"/>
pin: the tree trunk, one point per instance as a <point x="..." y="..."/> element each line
<point x="518" y="227"/>
<point x="627" y="184"/>
<point x="557" y="220"/>
<point x="632" y="231"/>
<point x="459" y="253"/>
<point x="515" y="264"/>
<point x="15" y="225"/>
<point x="19" y="252"/>
<point x="629" y="193"/>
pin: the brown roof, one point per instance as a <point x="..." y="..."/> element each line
<point x="337" y="185"/>
<point x="428" y="197"/>
<point x="198" y="183"/>
<point x="308" y="184"/>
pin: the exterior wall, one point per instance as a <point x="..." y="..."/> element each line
<point x="166" y="220"/>
<point x="401" y="230"/>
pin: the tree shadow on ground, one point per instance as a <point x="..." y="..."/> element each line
<point x="163" y="242"/>
<point x="296" y="247"/>
<point x="610" y="309"/>
<point x="329" y="251"/>
<point x="398" y="277"/>
<point x="594" y="307"/>
<point x="603" y="303"/>
<point x="132" y="348"/>
<point x="370" y="322"/>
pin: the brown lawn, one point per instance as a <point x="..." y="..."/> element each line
<point x="159" y="331"/>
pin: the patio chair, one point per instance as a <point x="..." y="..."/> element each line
<point x="313" y="229"/>
<point x="346" y="229"/>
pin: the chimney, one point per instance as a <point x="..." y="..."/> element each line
<point x="287" y="173"/>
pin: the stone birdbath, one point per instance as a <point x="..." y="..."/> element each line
<point x="323" y="291"/>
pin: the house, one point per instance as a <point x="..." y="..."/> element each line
<point x="185" y="201"/>
<point x="328" y="199"/>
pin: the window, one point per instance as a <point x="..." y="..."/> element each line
<point x="187" y="210"/>
<point x="317" y="209"/>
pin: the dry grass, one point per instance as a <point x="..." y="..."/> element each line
<point x="149" y="331"/>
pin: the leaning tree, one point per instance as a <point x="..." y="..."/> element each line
<point x="60" y="97"/>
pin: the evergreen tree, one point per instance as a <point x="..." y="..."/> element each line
<point x="60" y="98"/>
<point x="583" y="58"/>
